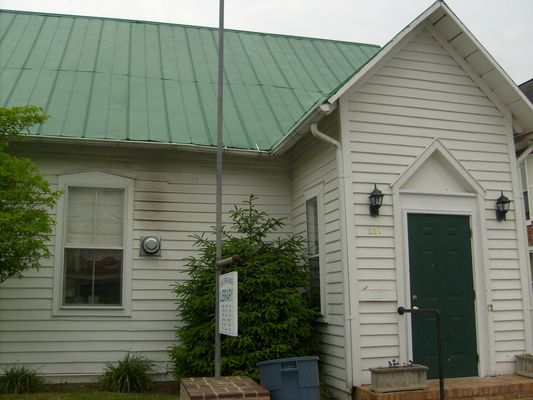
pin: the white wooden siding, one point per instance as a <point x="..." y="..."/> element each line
<point x="314" y="163"/>
<point x="421" y="94"/>
<point x="174" y="197"/>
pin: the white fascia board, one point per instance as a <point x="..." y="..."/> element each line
<point x="503" y="80"/>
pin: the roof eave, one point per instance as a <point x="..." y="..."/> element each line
<point x="148" y="145"/>
<point x="490" y="71"/>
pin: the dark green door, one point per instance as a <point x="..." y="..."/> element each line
<point x="440" y="260"/>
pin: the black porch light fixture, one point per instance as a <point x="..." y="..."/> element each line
<point x="502" y="206"/>
<point x="376" y="199"/>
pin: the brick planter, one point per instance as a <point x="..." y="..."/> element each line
<point x="397" y="379"/>
<point x="227" y="388"/>
<point x="524" y="365"/>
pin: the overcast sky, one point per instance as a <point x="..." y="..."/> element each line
<point x="502" y="26"/>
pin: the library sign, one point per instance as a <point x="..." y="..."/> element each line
<point x="229" y="308"/>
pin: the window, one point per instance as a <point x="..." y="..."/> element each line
<point x="92" y="269"/>
<point x="94" y="241"/>
<point x="531" y="267"/>
<point x="523" y="177"/>
<point x="313" y="249"/>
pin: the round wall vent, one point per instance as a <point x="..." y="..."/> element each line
<point x="150" y="246"/>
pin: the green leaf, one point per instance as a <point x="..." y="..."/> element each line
<point x="25" y="199"/>
<point x="275" y="317"/>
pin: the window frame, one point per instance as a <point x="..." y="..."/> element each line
<point x="524" y="186"/>
<point x="100" y="180"/>
<point x="318" y="193"/>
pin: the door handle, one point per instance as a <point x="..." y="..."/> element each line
<point x="414" y="297"/>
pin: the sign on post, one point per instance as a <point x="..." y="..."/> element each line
<point x="228" y="304"/>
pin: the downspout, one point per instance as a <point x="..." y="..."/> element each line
<point x="327" y="109"/>
<point x="524" y="155"/>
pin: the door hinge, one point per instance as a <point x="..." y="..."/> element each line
<point x="477" y="358"/>
<point x="474" y="292"/>
<point x="470" y="232"/>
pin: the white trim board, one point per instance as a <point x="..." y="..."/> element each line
<point x="436" y="147"/>
<point x="101" y="180"/>
<point x="444" y="205"/>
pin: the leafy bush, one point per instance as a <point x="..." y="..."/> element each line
<point x="275" y="316"/>
<point x="131" y="374"/>
<point x="24" y="196"/>
<point x="20" y="379"/>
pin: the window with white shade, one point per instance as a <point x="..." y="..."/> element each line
<point x="94" y="241"/>
<point x="93" y="253"/>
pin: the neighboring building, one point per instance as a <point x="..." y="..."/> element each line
<point x="311" y="126"/>
<point x="524" y="150"/>
<point x="527" y="88"/>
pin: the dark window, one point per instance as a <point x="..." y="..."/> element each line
<point x="525" y="195"/>
<point x="313" y="245"/>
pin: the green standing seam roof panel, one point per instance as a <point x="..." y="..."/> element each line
<point x="101" y="78"/>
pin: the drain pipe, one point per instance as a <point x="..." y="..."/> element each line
<point x="524" y="154"/>
<point x="327" y="109"/>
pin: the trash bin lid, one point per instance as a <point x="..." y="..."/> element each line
<point x="284" y="360"/>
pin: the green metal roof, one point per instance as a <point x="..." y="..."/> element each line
<point x="101" y="78"/>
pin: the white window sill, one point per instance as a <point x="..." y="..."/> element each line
<point x="91" y="311"/>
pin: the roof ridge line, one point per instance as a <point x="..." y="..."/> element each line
<point x="49" y="14"/>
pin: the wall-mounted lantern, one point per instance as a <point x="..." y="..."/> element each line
<point x="502" y="206"/>
<point x="376" y="199"/>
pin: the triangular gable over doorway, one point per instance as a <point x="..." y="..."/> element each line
<point x="437" y="171"/>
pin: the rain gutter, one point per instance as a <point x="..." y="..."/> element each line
<point x="149" y="145"/>
<point x="521" y="158"/>
<point x="324" y="110"/>
<point x="301" y="129"/>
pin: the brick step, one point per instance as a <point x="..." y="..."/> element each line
<point x="226" y="388"/>
<point x="505" y="387"/>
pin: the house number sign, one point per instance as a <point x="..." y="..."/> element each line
<point x="229" y="308"/>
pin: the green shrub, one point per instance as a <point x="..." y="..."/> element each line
<point x="275" y="316"/>
<point x="131" y="374"/>
<point x="20" y="379"/>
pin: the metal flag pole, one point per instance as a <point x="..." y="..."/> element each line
<point x="218" y="250"/>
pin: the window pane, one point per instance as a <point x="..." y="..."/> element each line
<point x="314" y="269"/>
<point x="523" y="175"/>
<point x="95" y="217"/>
<point x="531" y="265"/>
<point x="526" y="204"/>
<point x="78" y="276"/>
<point x="81" y="209"/>
<point x="108" y="277"/>
<point x="109" y="218"/>
<point x="93" y="277"/>
<point x="311" y="211"/>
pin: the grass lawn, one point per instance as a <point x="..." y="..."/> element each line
<point x="90" y="396"/>
<point x="161" y="391"/>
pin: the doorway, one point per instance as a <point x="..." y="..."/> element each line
<point x="441" y="277"/>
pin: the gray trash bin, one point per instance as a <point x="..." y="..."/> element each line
<point x="293" y="378"/>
